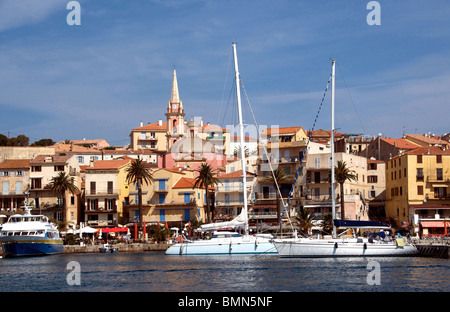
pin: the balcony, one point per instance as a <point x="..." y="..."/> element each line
<point x="161" y="189"/>
<point x="102" y="193"/>
<point x="231" y="188"/>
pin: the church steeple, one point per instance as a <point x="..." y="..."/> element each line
<point x="175" y="95"/>
<point x="175" y="114"/>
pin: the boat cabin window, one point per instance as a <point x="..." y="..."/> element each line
<point x="226" y="235"/>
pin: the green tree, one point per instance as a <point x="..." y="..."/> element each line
<point x="137" y="173"/>
<point x="327" y="225"/>
<point x="206" y="177"/>
<point x="305" y="220"/>
<point x="60" y="185"/>
<point x="278" y="177"/>
<point x="341" y="174"/>
<point x="43" y="142"/>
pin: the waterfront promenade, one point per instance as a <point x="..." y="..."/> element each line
<point x="135" y="247"/>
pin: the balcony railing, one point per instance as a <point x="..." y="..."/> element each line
<point x="103" y="192"/>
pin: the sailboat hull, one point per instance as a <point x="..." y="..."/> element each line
<point x="231" y="247"/>
<point x="333" y="248"/>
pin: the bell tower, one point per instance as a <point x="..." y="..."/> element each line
<point x="175" y="114"/>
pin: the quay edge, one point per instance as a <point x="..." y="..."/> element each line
<point x="136" y="247"/>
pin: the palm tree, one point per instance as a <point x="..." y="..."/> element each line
<point x="341" y="174"/>
<point x="237" y="152"/>
<point x="305" y="219"/>
<point x="138" y="173"/>
<point x="60" y="185"/>
<point x="206" y="177"/>
<point x="278" y="176"/>
<point x="327" y="225"/>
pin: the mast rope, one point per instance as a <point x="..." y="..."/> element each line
<point x="303" y="155"/>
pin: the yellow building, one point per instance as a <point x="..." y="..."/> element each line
<point x="42" y="169"/>
<point x="417" y="194"/>
<point x="170" y="198"/>
<point x="105" y="191"/>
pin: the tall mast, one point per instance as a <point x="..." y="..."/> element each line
<point x="333" y="197"/>
<point x="241" y="135"/>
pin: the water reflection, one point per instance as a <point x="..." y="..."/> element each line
<point x="155" y="272"/>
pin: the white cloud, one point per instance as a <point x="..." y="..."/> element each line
<point x="14" y="13"/>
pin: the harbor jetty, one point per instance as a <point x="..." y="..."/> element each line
<point x="135" y="247"/>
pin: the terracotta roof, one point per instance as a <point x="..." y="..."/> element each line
<point x="320" y="133"/>
<point x="282" y="130"/>
<point x="432" y="150"/>
<point x="369" y="161"/>
<point x="235" y="174"/>
<point x="15" y="164"/>
<point x="426" y="140"/>
<point x="246" y="139"/>
<point x="154" y="126"/>
<point x="207" y="127"/>
<point x="61" y="147"/>
<point x="186" y="183"/>
<point x="55" y="159"/>
<point x="400" y="143"/>
<point x="109" y="164"/>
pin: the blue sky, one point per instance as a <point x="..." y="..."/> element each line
<point x="100" y="79"/>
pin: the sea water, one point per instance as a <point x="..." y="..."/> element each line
<point x="156" y="272"/>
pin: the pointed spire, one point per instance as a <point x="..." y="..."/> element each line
<point x="175" y="96"/>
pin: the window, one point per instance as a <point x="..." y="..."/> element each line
<point x="162" y="198"/>
<point x="317" y="163"/>
<point x="18" y="173"/>
<point x="80" y="159"/>
<point x="440" y="192"/>
<point x="187" y="198"/>
<point x="439" y="173"/>
<point x="419" y="176"/>
<point x="93" y="203"/>
<point x="5" y="173"/>
<point x="372" y="179"/>
<point x="19" y="187"/>
<point x="93" y="187"/>
<point x="36" y="168"/>
<point x="419" y="189"/>
<point x="316" y="193"/>
<point x="419" y="159"/>
<point x="439" y="159"/>
<point x="58" y="168"/>
<point x="187" y="215"/>
<point x="5" y="188"/>
<point x="110" y="187"/>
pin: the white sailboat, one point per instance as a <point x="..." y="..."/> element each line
<point x="343" y="247"/>
<point x="229" y="243"/>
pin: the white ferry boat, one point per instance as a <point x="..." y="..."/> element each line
<point x="30" y="235"/>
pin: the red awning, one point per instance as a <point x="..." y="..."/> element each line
<point x="114" y="230"/>
<point x="433" y="224"/>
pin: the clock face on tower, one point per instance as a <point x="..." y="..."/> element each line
<point x="174" y="106"/>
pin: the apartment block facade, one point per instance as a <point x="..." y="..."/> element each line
<point x="417" y="189"/>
